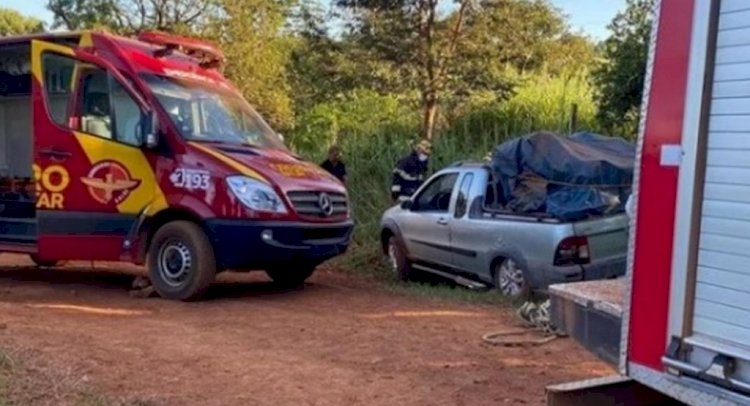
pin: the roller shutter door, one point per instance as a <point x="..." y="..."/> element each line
<point x="720" y="316"/>
<point x="722" y="295"/>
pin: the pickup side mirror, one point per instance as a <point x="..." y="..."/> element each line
<point x="150" y="129"/>
<point x="407" y="204"/>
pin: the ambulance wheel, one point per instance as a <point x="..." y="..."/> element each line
<point x="44" y="263"/>
<point x="291" y="276"/>
<point x="181" y="262"/>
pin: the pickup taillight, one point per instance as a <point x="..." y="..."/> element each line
<point x="573" y="251"/>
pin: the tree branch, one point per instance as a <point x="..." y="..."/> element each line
<point x="453" y="40"/>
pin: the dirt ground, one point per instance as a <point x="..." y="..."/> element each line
<point x="338" y="341"/>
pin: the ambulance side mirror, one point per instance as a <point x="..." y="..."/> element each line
<point x="150" y="130"/>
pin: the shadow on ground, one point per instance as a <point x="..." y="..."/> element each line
<point x="229" y="285"/>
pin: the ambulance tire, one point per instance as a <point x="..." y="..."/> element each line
<point x="291" y="276"/>
<point x="181" y="261"/>
<point x="44" y="263"/>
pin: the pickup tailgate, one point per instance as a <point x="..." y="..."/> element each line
<point x="607" y="236"/>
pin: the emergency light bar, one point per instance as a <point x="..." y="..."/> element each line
<point x="207" y="54"/>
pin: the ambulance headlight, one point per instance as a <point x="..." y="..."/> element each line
<point x="256" y="195"/>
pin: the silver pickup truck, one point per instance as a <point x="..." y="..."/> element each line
<point x="446" y="228"/>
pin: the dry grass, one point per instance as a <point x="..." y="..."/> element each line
<point x="26" y="379"/>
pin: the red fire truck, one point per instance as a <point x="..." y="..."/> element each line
<point x="139" y="150"/>
<point x="685" y="313"/>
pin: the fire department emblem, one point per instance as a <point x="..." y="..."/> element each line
<point x="109" y="181"/>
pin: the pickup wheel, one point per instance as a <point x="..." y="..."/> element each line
<point x="291" y="276"/>
<point x="181" y="262"/>
<point x="510" y="279"/>
<point x="400" y="265"/>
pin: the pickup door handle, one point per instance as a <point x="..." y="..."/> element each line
<point x="443" y="221"/>
<point x="55" y="154"/>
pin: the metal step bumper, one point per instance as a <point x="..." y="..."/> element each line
<point x="591" y="313"/>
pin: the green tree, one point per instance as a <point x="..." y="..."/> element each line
<point x="507" y="37"/>
<point x="516" y="32"/>
<point x="570" y="54"/>
<point x="412" y="38"/>
<point x="15" y="23"/>
<point x="620" y="77"/>
<point x="250" y="32"/>
<point x="316" y="60"/>
<point x="448" y="50"/>
<point x="129" y="16"/>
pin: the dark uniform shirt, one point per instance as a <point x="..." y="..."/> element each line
<point x="338" y="170"/>
<point x="407" y="177"/>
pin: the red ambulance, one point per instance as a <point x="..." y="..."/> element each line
<point x="139" y="150"/>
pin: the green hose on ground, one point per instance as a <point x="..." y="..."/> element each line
<point x="536" y="317"/>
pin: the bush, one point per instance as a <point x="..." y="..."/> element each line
<point x="356" y="115"/>
<point x="541" y="102"/>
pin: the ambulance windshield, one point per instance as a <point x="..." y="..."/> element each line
<point x="205" y="113"/>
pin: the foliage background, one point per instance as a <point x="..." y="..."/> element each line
<point x="366" y="74"/>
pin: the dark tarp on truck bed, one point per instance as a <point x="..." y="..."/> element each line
<point x="567" y="178"/>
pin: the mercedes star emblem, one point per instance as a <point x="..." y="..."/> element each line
<point x="325" y="204"/>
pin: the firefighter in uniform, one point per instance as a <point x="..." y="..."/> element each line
<point x="410" y="172"/>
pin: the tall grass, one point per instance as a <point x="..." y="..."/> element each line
<point x="540" y="103"/>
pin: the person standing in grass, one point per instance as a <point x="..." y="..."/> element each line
<point x="410" y="172"/>
<point x="334" y="165"/>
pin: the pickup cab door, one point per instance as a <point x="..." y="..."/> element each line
<point x="93" y="177"/>
<point x="465" y="231"/>
<point x="427" y="227"/>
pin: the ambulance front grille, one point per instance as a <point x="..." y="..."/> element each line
<point x="308" y="203"/>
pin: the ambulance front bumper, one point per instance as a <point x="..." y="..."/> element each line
<point x="245" y="245"/>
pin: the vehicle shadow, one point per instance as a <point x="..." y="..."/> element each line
<point x="223" y="290"/>
<point x="430" y="279"/>
<point x="113" y="279"/>
<point x="106" y="279"/>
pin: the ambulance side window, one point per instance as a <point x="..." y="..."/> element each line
<point x="108" y="109"/>
<point x="100" y="103"/>
<point x="127" y="115"/>
<point x="94" y="103"/>
<point x="58" y="77"/>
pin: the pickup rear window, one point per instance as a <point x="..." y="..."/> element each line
<point x="494" y="199"/>
<point x="462" y="200"/>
